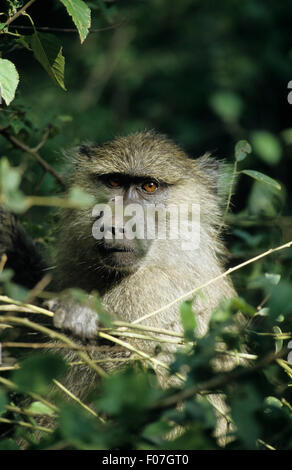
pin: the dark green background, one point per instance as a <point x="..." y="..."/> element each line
<point x="207" y="73"/>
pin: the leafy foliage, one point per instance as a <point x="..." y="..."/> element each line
<point x="204" y="73"/>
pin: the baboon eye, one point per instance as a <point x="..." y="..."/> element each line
<point x="114" y="182"/>
<point x="150" y="186"/>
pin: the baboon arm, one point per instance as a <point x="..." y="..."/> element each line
<point x="78" y="319"/>
<point x="23" y="257"/>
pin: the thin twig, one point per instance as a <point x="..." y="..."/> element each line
<point x="17" y="14"/>
<point x="211" y="281"/>
<point x="267" y="446"/>
<point x="234" y="173"/>
<point x="80" y="363"/>
<point x="148" y="328"/>
<point x="71" y="395"/>
<point x="54" y="335"/>
<point x="219" y="381"/>
<point x="43" y="139"/>
<point x="16" y="344"/>
<point x="21" y="411"/>
<point x="12" y="386"/>
<point x="137" y="351"/>
<point x="37" y="188"/>
<point x="144" y="337"/>
<point x="26" y="425"/>
<point x="30" y="307"/>
<point x="3" y="261"/>
<point x="38" y="288"/>
<point x="31" y="151"/>
<point x="67" y="30"/>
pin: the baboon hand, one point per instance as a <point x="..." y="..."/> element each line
<point x="80" y="320"/>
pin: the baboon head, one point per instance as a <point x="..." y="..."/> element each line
<point x="145" y="188"/>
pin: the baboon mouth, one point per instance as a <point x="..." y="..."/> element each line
<point x="115" y="249"/>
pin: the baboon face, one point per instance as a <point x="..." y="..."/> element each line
<point x="137" y="178"/>
<point x="122" y="224"/>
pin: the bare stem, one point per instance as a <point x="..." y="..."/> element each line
<point x="33" y="152"/>
<point x="211" y="281"/>
<point x="57" y="336"/>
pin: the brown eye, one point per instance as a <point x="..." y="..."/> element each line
<point x="114" y="182"/>
<point x="150" y="186"/>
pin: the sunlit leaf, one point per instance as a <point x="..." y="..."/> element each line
<point x="9" y="80"/>
<point x="80" y="14"/>
<point x="188" y="318"/>
<point x="227" y="105"/>
<point x="40" y="408"/>
<point x="278" y="342"/>
<point x="242" y="148"/>
<point x="267" y="146"/>
<point x="80" y="198"/>
<point x="257" y="175"/>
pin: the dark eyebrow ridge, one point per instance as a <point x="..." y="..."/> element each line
<point x="126" y="177"/>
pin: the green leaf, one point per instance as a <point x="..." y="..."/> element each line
<point x="273" y="402"/>
<point x="37" y="372"/>
<point x="194" y="437"/>
<point x="245" y="402"/>
<point x="267" y="146"/>
<point x="8" y="444"/>
<point x="6" y="275"/>
<point x="48" y="52"/>
<point x="225" y="178"/>
<point x="265" y="200"/>
<point x="278" y="342"/>
<point x="257" y="175"/>
<point x="40" y="408"/>
<point x="242" y="148"/>
<point x="238" y="304"/>
<point x="251" y="240"/>
<point x="80" y="14"/>
<point x="188" y="318"/>
<point x="280" y="302"/>
<point x="9" y="80"/>
<point x="10" y="179"/>
<point x="287" y="135"/>
<point x="79" y="428"/>
<point x="3" y="401"/>
<point x="156" y="429"/>
<point x="80" y="198"/>
<point x="227" y="105"/>
<point x="16" y="291"/>
<point x="273" y="278"/>
<point x="127" y="391"/>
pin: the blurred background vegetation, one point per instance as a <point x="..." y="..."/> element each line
<point x="206" y="73"/>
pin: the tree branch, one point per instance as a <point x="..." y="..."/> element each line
<point x="22" y="10"/>
<point x="211" y="281"/>
<point x="33" y="152"/>
<point x="219" y="381"/>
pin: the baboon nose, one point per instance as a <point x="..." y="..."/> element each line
<point x="117" y="229"/>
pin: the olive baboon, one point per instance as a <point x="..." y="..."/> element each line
<point x="135" y="277"/>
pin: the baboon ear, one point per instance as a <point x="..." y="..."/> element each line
<point x="217" y="173"/>
<point x="87" y="150"/>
